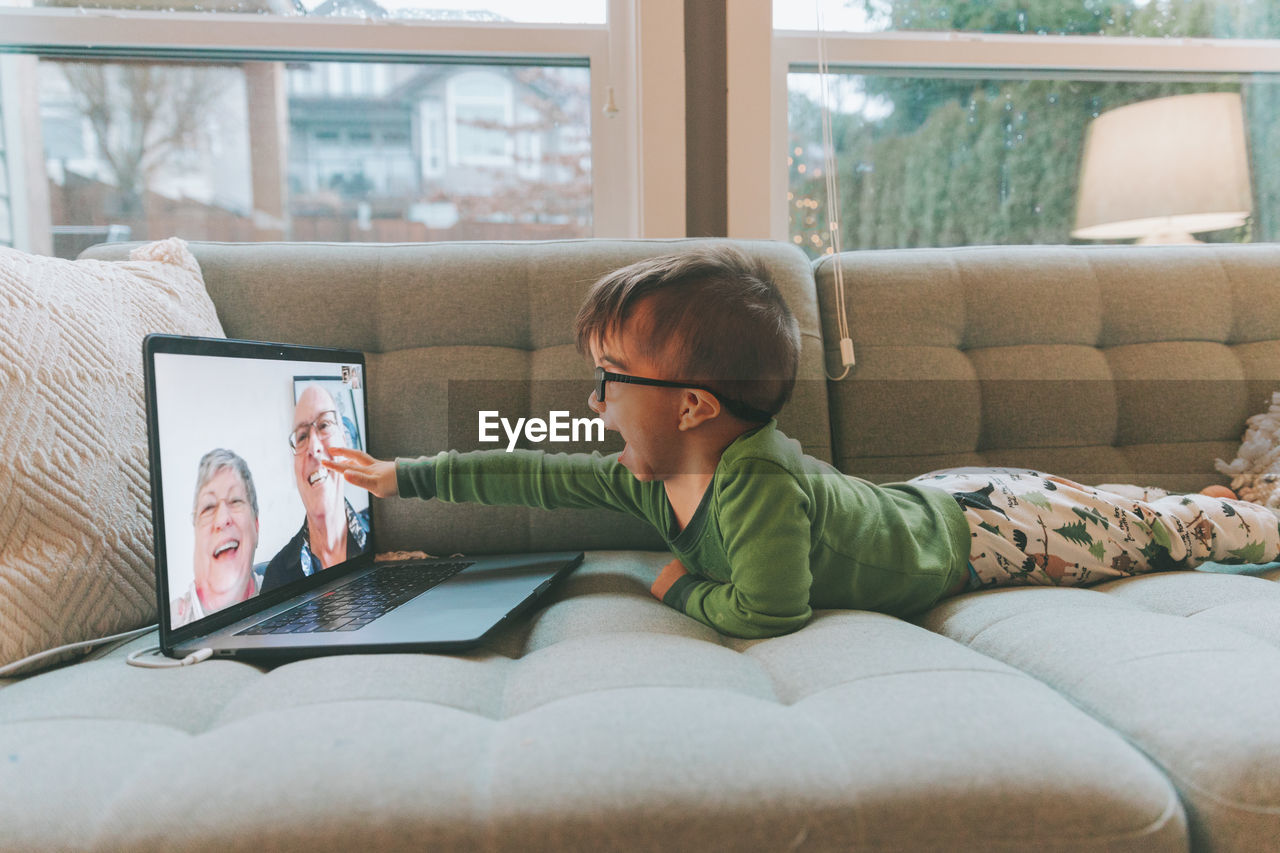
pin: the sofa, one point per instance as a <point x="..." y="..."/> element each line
<point x="1141" y="714"/>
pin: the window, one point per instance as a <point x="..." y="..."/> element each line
<point x="6" y="205"/>
<point x="991" y="137"/>
<point x="15" y="82"/>
<point x="328" y="130"/>
<point x="197" y="160"/>
<point x="965" y="159"/>
<point x="480" y="111"/>
<point x="431" y="128"/>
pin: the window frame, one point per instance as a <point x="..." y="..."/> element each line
<point x="7" y="235"/>
<point x="16" y="159"/>
<point x="761" y="205"/>
<point x="635" y="149"/>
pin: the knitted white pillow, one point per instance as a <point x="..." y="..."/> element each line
<point x="75" y="521"/>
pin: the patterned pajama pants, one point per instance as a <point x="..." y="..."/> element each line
<point x="1027" y="527"/>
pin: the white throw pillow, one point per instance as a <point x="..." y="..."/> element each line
<point x="75" y="519"/>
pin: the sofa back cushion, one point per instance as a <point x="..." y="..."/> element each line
<point x="1100" y="363"/>
<point x="455" y="329"/>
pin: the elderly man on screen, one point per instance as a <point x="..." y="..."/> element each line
<point x="225" y="517"/>
<point x="333" y="531"/>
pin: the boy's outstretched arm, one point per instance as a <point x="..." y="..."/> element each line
<point x="530" y="478"/>
<point x="494" y="477"/>
<point x="375" y="476"/>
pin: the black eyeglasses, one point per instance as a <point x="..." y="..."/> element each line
<point x="735" y="407"/>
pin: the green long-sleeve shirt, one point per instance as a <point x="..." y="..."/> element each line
<point x="776" y="534"/>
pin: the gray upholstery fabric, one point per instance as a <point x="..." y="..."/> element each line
<point x="606" y="721"/>
<point x="1185" y="665"/>
<point x="1139" y="715"/>
<point x="454" y="328"/>
<point x="1116" y="364"/>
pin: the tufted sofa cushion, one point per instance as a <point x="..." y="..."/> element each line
<point x="1104" y="364"/>
<point x="1184" y="665"/>
<point x="1117" y="364"/>
<point x="606" y="721"/>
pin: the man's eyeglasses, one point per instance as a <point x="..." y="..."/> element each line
<point x="735" y="407"/>
<point x="326" y="426"/>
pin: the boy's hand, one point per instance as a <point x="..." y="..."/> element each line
<point x="375" y="476"/>
<point x="670" y="573"/>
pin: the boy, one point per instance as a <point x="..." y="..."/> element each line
<point x="695" y="354"/>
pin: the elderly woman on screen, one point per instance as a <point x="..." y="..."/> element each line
<point x="225" y="517"/>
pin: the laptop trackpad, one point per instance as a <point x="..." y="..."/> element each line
<point x="467" y="605"/>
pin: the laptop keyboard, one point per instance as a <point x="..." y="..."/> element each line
<point x="351" y="607"/>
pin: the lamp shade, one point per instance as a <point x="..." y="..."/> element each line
<point x="1164" y="167"/>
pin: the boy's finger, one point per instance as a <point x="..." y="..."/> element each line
<point x="357" y="477"/>
<point x="351" y="453"/>
<point x="353" y="456"/>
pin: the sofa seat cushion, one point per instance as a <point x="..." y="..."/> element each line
<point x="1185" y="665"/>
<point x="605" y="719"/>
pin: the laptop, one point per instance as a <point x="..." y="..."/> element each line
<point x="261" y="552"/>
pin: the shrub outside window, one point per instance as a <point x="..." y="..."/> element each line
<point x="934" y="149"/>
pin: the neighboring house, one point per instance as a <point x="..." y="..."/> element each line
<point x="427" y="132"/>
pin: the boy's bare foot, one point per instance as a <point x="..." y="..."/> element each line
<point x="1219" y="492"/>
<point x="1224" y="492"/>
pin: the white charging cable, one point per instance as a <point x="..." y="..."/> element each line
<point x="8" y="669"/>
<point x="152" y="659"/>
<point x="847" y="359"/>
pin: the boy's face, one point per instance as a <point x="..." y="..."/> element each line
<point x="645" y="416"/>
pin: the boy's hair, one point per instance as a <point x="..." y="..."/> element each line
<point x="715" y="318"/>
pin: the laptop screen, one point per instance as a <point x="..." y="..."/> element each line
<point x="236" y="450"/>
